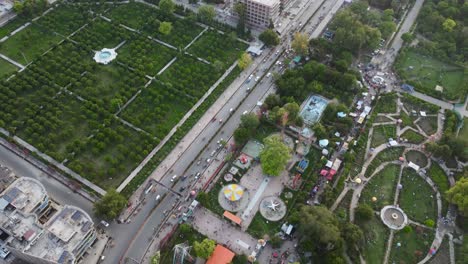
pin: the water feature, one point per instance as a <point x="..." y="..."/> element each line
<point x="313" y="109"/>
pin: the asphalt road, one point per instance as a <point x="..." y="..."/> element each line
<point x="57" y="191"/>
<point x="153" y="213"/>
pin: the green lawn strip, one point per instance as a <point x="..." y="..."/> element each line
<point x="182" y="33"/>
<point x="463" y="134"/>
<point x="426" y="72"/>
<point x="111" y="154"/>
<point x="12" y="25"/>
<point x="28" y="44"/>
<point x="376" y="237"/>
<point x="415" y="197"/>
<point x="259" y="227"/>
<point x="428" y="124"/>
<point x="406" y="120"/>
<point x="157" y="109"/>
<point x="388" y="154"/>
<point x="101" y="34"/>
<point x="65" y="19"/>
<point x="103" y="83"/>
<point x="61" y="127"/>
<point x="145" y="55"/>
<point x="211" y="201"/>
<point x="165" y="150"/>
<point x="6" y="68"/>
<point x="438" y="176"/>
<point x="387" y="103"/>
<point x="214" y="46"/>
<point x="413" y="137"/>
<point x="412" y="103"/>
<point x="359" y="151"/>
<point x="414" y="245"/>
<point x="382" y="186"/>
<point x="382" y="133"/>
<point x="416" y="157"/>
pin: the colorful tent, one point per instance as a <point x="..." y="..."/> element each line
<point x="233" y="192"/>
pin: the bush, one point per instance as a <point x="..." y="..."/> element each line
<point x="364" y="212"/>
<point x="407" y="229"/>
<point x="429" y="223"/>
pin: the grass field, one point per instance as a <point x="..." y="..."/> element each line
<point x="376" y="235"/>
<point x="413" y="137"/>
<point x="387" y="103"/>
<point x="414" y="245"/>
<point x="382" y="133"/>
<point x="259" y="227"/>
<point x="427" y="72"/>
<point x="463" y="134"/>
<point x="417" y="198"/>
<point x="440" y="179"/>
<point x="428" y="124"/>
<point x="382" y="186"/>
<point x="6" y="68"/>
<point x="12" y="26"/>
<point x="28" y="44"/>
<point x="417" y="158"/>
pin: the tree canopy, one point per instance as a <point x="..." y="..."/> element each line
<point x="274" y="156"/>
<point x="300" y="44"/>
<point x="244" y="61"/>
<point x="269" y="37"/>
<point x="458" y="195"/>
<point x="167" y="6"/>
<point x="206" y="13"/>
<point x="205" y="248"/>
<point x="165" y="28"/>
<point x="110" y="205"/>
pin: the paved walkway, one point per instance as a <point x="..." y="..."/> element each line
<point x="222" y="231"/>
<point x="17" y="64"/>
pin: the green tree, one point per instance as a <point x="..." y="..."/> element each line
<point x="407" y="37"/>
<point x="205" y="248"/>
<point x="165" y="28"/>
<point x="458" y="195"/>
<point x="449" y="24"/>
<point x="18" y="7"/>
<point x="364" y="212"/>
<point x="272" y="100"/>
<point x="240" y="10"/>
<point x="206" y="13"/>
<point x="244" y="61"/>
<point x="352" y="235"/>
<point x="167" y="6"/>
<point x="320" y="226"/>
<point x="387" y="28"/>
<point x="156" y="258"/>
<point x="241" y="136"/>
<point x="300" y="44"/>
<point x="274" y="156"/>
<point x="269" y="37"/>
<point x="250" y="121"/>
<point x="110" y="205"/>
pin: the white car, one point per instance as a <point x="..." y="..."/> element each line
<point x="173" y="178"/>
<point x="257" y="78"/>
<point x="158" y="197"/>
<point x="268" y="74"/>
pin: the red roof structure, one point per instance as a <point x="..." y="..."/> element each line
<point x="221" y="255"/>
<point x="323" y="172"/>
<point x="235" y="219"/>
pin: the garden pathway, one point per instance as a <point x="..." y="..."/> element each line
<point x="195" y="39"/>
<point x="17" y="64"/>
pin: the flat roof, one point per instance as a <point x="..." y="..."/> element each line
<point x="25" y="194"/>
<point x="232" y="217"/>
<point x="266" y="2"/>
<point x="221" y="255"/>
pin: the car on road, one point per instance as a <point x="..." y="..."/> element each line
<point x="197" y="175"/>
<point x="268" y="75"/>
<point x="181" y="189"/>
<point x="174" y="178"/>
<point x="257" y="78"/>
<point x="245" y="112"/>
<point x="231" y="110"/>
<point x="208" y="160"/>
<point x="158" y="197"/>
<point x="104" y="223"/>
<point x="184" y="177"/>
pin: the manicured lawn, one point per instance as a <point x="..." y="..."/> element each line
<point x="417" y="198"/>
<point x="156" y="110"/>
<point x="145" y="55"/>
<point x="387" y="103"/>
<point x="428" y="124"/>
<point x="214" y="46"/>
<point x="440" y="179"/>
<point x="259" y="227"/>
<point x="6" y="68"/>
<point x="382" y="133"/>
<point x="417" y="158"/>
<point x="210" y="200"/>
<point x="426" y="72"/>
<point x="376" y="236"/>
<point x="413" y="137"/>
<point x="388" y="154"/>
<point x="414" y="245"/>
<point x="463" y="134"/>
<point x="12" y="26"/>
<point x="65" y="19"/>
<point x="382" y="186"/>
<point x="28" y="44"/>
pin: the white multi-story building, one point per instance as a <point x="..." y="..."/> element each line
<point x="34" y="232"/>
<point x="259" y="13"/>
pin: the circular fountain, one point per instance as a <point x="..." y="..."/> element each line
<point x="393" y="217"/>
<point x="105" y="56"/>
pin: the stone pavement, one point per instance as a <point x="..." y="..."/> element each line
<point x="222" y="231"/>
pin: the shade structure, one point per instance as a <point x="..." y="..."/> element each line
<point x="358" y="180"/>
<point x="233" y="192"/>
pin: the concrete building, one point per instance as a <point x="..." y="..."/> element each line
<point x="37" y="231"/>
<point x="261" y="12"/>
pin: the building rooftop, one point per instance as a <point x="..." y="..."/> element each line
<point x="267" y="2"/>
<point x="25" y="194"/>
<point x="64" y="234"/>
